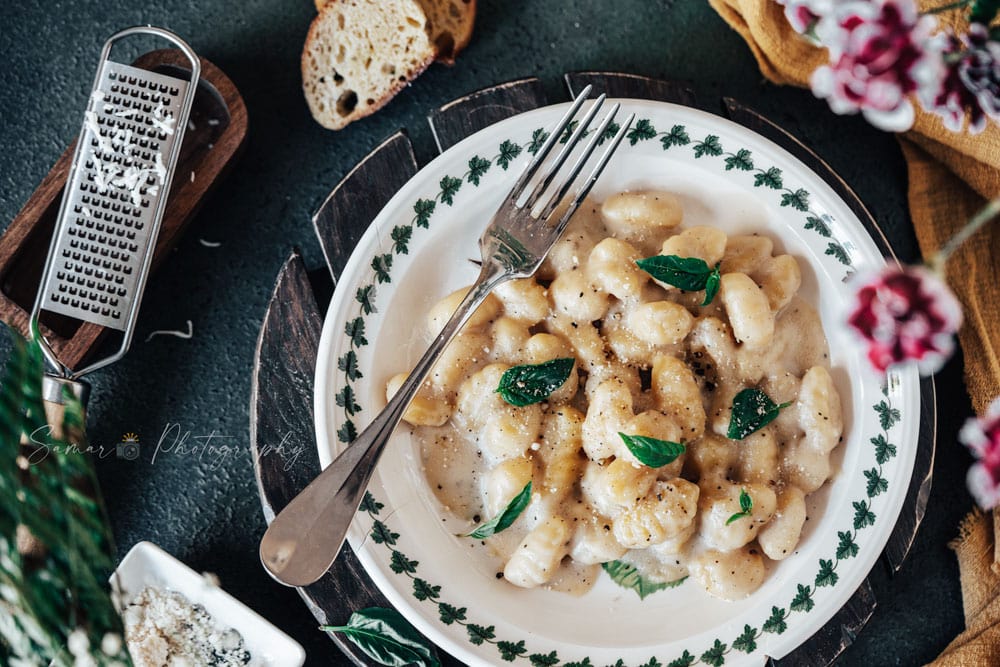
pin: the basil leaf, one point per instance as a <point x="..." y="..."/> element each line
<point x="752" y="411"/>
<point x="712" y="284"/>
<point x="687" y="273"/>
<point x="503" y="520"/>
<point x="746" y="504"/>
<point x="652" y="452"/>
<point x="532" y="383"/>
<point x="628" y="576"/>
<point x="386" y="637"/>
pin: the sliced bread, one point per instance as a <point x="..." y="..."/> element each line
<point x="449" y="24"/>
<point x="359" y="53"/>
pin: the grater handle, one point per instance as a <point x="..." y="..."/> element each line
<point x="54" y="401"/>
<point x="158" y="32"/>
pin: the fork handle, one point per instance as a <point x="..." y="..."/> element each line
<point x="304" y="539"/>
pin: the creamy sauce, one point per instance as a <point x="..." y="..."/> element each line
<point x="452" y="468"/>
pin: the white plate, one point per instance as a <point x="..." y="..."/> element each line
<point x="148" y="565"/>
<point x="416" y="252"/>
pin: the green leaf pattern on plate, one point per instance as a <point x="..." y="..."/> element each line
<point x="511" y="650"/>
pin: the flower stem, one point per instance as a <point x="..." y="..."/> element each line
<point x="985" y="215"/>
<point x="945" y="8"/>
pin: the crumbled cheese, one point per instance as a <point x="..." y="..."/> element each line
<point x="90" y="120"/>
<point x="159" y="168"/>
<point x="101" y="176"/>
<point x="177" y="334"/>
<point x="123" y="113"/>
<point x="128" y="175"/>
<point x="162" y="121"/>
<point x="131" y="180"/>
<point x="163" y="628"/>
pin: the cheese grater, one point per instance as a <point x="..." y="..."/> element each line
<point x="114" y="200"/>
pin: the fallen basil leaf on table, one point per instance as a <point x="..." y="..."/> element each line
<point x="652" y="452"/>
<point x="533" y="383"/>
<point x="746" y="504"/>
<point x="387" y="638"/>
<point x="503" y="520"/>
<point x="690" y="274"/>
<point x="752" y="411"/>
<point x="628" y="576"/>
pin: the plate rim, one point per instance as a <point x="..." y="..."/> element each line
<point x="879" y="242"/>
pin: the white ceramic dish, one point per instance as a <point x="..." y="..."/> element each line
<point x="416" y="251"/>
<point x="148" y="565"/>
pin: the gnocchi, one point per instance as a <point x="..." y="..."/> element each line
<point x="651" y="361"/>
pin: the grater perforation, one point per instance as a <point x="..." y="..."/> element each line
<point x="115" y="194"/>
<point x="119" y="177"/>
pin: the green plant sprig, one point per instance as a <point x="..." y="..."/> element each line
<point x="55" y="542"/>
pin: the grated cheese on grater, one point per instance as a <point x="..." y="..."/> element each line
<point x="163" y="629"/>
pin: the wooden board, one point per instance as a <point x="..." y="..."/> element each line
<point x="208" y="152"/>
<point x="345" y="215"/>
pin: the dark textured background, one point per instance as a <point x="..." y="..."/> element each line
<point x="205" y="509"/>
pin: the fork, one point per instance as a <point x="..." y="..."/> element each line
<point x="304" y="539"/>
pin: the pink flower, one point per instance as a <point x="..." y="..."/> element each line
<point x="881" y="51"/>
<point x="982" y="437"/>
<point x="971" y="81"/>
<point x="803" y="15"/>
<point x="906" y="313"/>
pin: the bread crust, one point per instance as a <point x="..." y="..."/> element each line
<point x="461" y="36"/>
<point x="313" y="80"/>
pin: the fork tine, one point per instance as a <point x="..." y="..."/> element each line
<point x="543" y="183"/>
<point x="581" y="162"/>
<point x="543" y="152"/>
<point x="596" y="171"/>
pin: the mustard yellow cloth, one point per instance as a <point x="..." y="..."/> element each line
<point x="951" y="175"/>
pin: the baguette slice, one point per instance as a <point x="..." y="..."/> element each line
<point x="449" y="24"/>
<point x="359" y="54"/>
